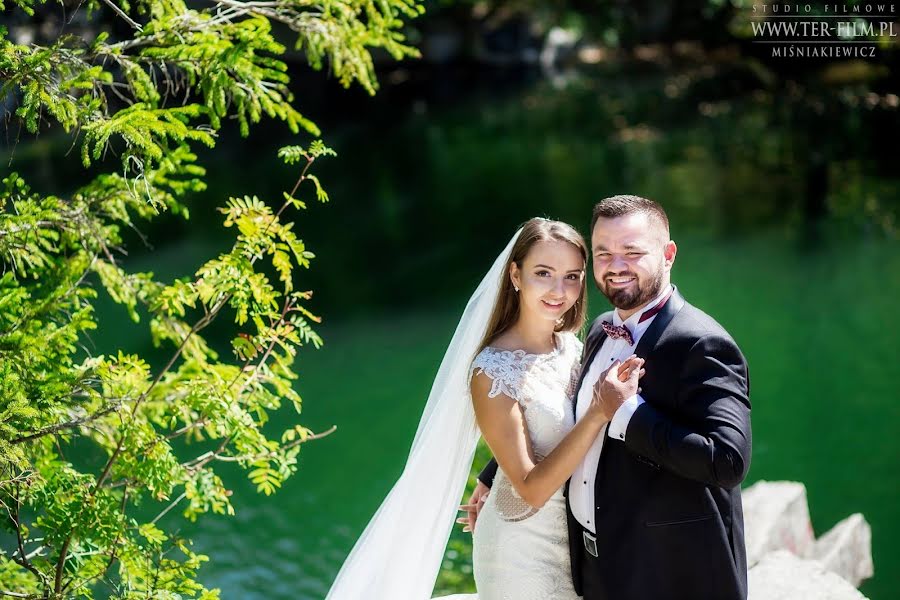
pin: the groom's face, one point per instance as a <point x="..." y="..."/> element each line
<point x="632" y="258"/>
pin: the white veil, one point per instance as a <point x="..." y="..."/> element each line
<point x="399" y="554"/>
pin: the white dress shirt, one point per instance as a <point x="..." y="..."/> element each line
<point x="581" y="487"/>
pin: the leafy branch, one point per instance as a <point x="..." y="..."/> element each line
<point x="182" y="75"/>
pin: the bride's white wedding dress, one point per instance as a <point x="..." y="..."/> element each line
<point x="521" y="552"/>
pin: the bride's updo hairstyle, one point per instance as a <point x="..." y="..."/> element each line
<point x="506" y="310"/>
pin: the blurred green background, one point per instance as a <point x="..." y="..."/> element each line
<point x="781" y="184"/>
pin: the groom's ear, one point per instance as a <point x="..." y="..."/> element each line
<point x="669" y="252"/>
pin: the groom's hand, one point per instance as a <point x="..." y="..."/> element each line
<point x="479" y="495"/>
<point x="617" y="384"/>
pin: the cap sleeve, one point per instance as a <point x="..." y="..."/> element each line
<point x="504" y="371"/>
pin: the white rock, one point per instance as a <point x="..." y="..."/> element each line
<point x="782" y="576"/>
<point x="776" y="517"/>
<point x="847" y="549"/>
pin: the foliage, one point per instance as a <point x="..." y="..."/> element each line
<point x="158" y="430"/>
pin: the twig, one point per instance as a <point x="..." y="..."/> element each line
<point x="25" y="562"/>
<point x="69" y="424"/>
<point x="309" y="438"/>
<point x="170" y="507"/>
<point x="122" y="14"/>
<point x="17" y="595"/>
<point x="60" y="565"/>
<point x="187" y="428"/>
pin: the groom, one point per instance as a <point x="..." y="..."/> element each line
<point x="654" y="510"/>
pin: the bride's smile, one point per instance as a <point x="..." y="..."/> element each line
<point x="549" y="281"/>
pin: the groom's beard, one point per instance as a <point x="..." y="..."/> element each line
<point x="632" y="297"/>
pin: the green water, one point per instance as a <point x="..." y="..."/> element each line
<point x="421" y="204"/>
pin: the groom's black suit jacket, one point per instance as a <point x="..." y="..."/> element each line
<point x="668" y="510"/>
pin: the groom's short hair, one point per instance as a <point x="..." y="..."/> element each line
<point x="625" y="204"/>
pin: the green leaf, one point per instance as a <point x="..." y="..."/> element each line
<point x="320" y="192"/>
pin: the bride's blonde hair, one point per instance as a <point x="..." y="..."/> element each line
<point x="506" y="309"/>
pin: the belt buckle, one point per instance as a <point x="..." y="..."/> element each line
<point x="590" y="543"/>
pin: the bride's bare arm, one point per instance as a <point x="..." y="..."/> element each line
<point x="502" y="424"/>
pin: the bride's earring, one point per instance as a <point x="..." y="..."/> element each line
<point x="515" y="287"/>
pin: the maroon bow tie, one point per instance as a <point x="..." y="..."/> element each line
<point x="617" y="332"/>
<point x="620" y="332"/>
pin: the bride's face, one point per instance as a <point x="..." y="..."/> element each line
<point x="550" y="279"/>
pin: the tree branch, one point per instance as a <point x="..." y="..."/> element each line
<point x="18" y="595"/>
<point x="170" y="507"/>
<point x="24" y="561"/>
<point x="203" y="459"/>
<point x="69" y="424"/>
<point x="122" y="14"/>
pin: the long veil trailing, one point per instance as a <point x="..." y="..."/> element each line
<point x="400" y="552"/>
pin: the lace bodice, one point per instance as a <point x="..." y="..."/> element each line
<point x="542" y="384"/>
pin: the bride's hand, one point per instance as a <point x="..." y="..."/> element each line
<point x="479" y="495"/>
<point x="615" y="385"/>
<point x="631" y="363"/>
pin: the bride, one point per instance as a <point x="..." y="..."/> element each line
<point x="511" y="367"/>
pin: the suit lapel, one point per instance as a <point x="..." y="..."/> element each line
<point x="659" y="324"/>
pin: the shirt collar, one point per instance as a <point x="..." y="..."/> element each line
<point x="632" y="321"/>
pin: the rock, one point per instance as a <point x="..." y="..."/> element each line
<point x="776" y="517"/>
<point x="847" y="549"/>
<point x="783" y="576"/>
